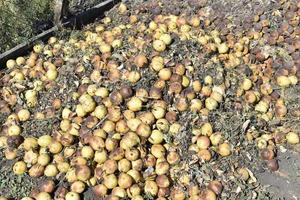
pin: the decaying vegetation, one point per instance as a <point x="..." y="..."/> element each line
<point x="188" y="100"/>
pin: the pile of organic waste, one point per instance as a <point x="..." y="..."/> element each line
<point x="164" y="99"/>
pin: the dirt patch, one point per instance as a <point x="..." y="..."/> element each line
<point x="284" y="184"/>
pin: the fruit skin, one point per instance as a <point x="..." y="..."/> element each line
<point x="72" y="196"/>
<point x="83" y="172"/>
<point x="247" y="84"/>
<point x="134" y="104"/>
<point x="283" y="81"/>
<point x="203" y="142"/>
<point x="292" y="138"/>
<point x="23" y="115"/>
<point x="43" y="196"/>
<point x="215" y="186"/>
<point x="166" y="38"/>
<point x="208" y="194"/>
<point x="224" y="149"/>
<point x="151" y="188"/>
<point x="267" y="154"/>
<point x="19" y="167"/>
<point x="273" y="164"/>
<point x="141" y="61"/>
<point x="11" y="63"/>
<point x="14" y="130"/>
<point x="211" y="104"/>
<point x="243" y="174"/>
<point x="222" y="48"/>
<point x="125" y="180"/>
<point x="159" y="45"/>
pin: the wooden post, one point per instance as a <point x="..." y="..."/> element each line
<point x="60" y="9"/>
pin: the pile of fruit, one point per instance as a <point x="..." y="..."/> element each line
<point x="126" y="108"/>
